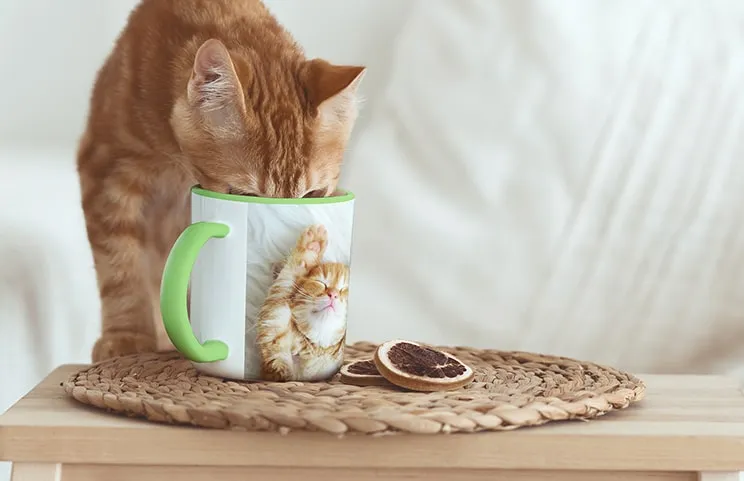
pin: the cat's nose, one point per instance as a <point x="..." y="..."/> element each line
<point x="333" y="295"/>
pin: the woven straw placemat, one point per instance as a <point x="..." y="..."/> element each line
<point x="510" y="390"/>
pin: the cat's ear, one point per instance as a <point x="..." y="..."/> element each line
<point x="332" y="90"/>
<point x="214" y="88"/>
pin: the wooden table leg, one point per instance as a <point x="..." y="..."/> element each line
<point x="36" y="472"/>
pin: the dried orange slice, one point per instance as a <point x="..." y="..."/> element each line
<point x="362" y="373"/>
<point x="417" y="367"/>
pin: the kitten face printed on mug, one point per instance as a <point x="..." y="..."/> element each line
<point x="321" y="301"/>
<point x="301" y="327"/>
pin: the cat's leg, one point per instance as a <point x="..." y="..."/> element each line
<point x="162" y="341"/>
<point x="278" y="367"/>
<point x="318" y="367"/>
<point x="171" y="212"/>
<point x="307" y="253"/>
<point x="274" y="341"/>
<point x="113" y="206"/>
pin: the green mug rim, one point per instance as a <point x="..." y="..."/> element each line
<point x="336" y="199"/>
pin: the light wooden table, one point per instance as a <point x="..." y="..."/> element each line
<point x="688" y="426"/>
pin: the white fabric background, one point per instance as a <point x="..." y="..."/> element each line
<point x="536" y="178"/>
<point x="553" y="176"/>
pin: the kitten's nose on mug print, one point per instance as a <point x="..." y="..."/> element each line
<point x="269" y="286"/>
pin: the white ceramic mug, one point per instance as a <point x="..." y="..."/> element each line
<point x="233" y="254"/>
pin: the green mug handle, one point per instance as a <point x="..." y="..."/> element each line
<point x="174" y="289"/>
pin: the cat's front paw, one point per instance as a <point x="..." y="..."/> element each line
<point x="276" y="371"/>
<point x="312" y="244"/>
<point x="122" y="344"/>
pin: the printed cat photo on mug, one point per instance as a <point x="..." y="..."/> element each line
<point x="301" y="327"/>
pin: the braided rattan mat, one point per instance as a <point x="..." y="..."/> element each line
<point x="510" y="390"/>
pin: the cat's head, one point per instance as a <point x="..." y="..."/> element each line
<point x="323" y="292"/>
<point x="268" y="125"/>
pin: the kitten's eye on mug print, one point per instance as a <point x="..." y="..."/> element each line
<point x="269" y="286"/>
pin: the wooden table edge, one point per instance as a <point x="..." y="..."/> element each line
<point x="463" y="451"/>
<point x="522" y="449"/>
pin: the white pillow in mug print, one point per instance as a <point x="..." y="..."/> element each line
<point x="553" y="176"/>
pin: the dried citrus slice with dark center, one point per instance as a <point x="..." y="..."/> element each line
<point x="363" y="368"/>
<point x="362" y="373"/>
<point x="413" y="366"/>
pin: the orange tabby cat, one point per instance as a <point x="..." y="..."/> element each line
<point x="301" y="327"/>
<point x="213" y="92"/>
